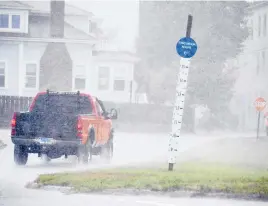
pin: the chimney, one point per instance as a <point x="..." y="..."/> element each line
<point x="57" y="9"/>
<point x="56" y="63"/>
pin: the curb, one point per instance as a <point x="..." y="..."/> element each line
<point x="137" y="192"/>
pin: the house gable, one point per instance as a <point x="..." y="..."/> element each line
<point x="35" y="20"/>
<point x="43" y="7"/>
<point x="14" y="5"/>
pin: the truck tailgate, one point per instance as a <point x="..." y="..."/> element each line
<point x="46" y="124"/>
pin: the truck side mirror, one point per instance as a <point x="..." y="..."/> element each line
<point x="113" y="114"/>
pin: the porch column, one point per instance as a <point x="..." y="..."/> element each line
<point x="21" y="69"/>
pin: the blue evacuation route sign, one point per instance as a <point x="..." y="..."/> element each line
<point x="186" y="47"/>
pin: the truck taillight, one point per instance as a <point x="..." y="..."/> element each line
<point x="79" y="127"/>
<point x="13" y="124"/>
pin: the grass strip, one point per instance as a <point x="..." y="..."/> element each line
<point x="193" y="177"/>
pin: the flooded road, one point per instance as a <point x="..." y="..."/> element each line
<point x="130" y="149"/>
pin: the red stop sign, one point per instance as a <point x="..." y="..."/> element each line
<point x="260" y="104"/>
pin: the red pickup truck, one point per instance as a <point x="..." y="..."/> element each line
<point x="63" y="123"/>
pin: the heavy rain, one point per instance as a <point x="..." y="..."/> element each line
<point x="133" y="102"/>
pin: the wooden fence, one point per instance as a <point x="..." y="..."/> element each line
<point x="11" y="104"/>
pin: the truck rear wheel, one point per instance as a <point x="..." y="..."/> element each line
<point x="85" y="154"/>
<point x="85" y="151"/>
<point x="20" y="155"/>
<point x="45" y="158"/>
<point x="107" y="150"/>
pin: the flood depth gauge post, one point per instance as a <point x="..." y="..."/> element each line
<point x="186" y="48"/>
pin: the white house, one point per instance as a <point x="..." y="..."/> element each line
<point x="25" y="32"/>
<point x="253" y="71"/>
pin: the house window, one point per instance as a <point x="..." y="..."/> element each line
<point x="258" y="63"/>
<point x="4" y="21"/>
<point x="15" y="21"/>
<point x="119" y="85"/>
<point x="80" y="77"/>
<point x="263" y="59"/>
<point x="93" y="26"/>
<point x="31" y="75"/>
<point x="264" y="24"/>
<point x="119" y="79"/>
<point x="10" y="22"/>
<point x="89" y="26"/>
<point x="251" y="30"/>
<point x="104" y="76"/>
<point x="80" y="83"/>
<point x="2" y="74"/>
<point x="259" y="28"/>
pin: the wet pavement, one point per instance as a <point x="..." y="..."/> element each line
<point x="130" y="149"/>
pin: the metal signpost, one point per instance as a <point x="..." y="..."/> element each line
<point x="260" y="105"/>
<point x="186" y="48"/>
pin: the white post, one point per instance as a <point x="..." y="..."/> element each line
<point x="186" y="48"/>
<point x="178" y="109"/>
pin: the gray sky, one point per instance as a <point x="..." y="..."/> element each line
<point x="120" y="15"/>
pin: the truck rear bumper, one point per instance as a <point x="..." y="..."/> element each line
<point x="57" y="146"/>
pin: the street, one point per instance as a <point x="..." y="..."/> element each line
<point x="129" y="149"/>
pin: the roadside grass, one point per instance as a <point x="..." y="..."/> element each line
<point x="197" y="177"/>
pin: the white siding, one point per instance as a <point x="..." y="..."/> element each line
<point x="29" y="52"/>
<point x="32" y="54"/>
<point x="110" y="94"/>
<point x="9" y="54"/>
<point x="82" y="55"/>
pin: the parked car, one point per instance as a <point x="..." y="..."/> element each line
<point x="61" y="124"/>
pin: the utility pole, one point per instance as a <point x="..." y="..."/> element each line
<point x="186" y="48"/>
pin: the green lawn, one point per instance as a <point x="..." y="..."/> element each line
<point x="195" y="177"/>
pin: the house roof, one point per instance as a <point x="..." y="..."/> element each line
<point x="38" y="29"/>
<point x="13" y="5"/>
<point x="71" y="32"/>
<point x="257" y="5"/>
<point x="43" y="7"/>
<point x="41" y="10"/>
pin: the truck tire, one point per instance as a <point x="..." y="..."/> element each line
<point x="107" y="150"/>
<point x="20" y="155"/>
<point x="111" y="143"/>
<point x="85" y="154"/>
<point x="85" y="151"/>
<point x="45" y="158"/>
